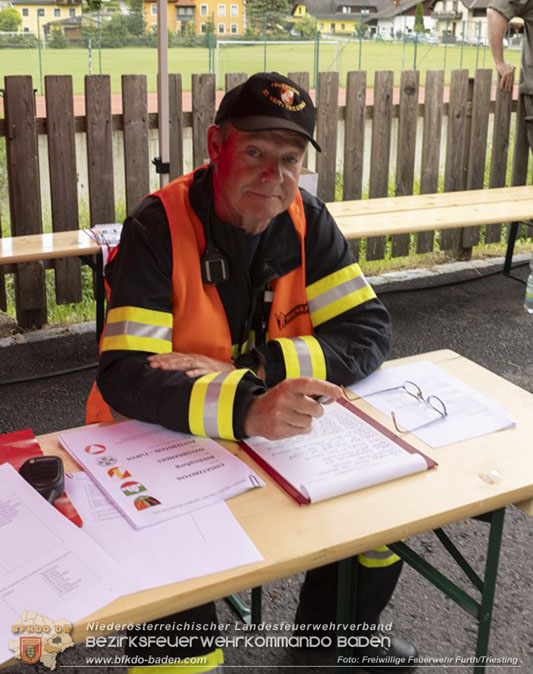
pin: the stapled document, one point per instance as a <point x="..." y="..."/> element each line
<point x="152" y="473"/>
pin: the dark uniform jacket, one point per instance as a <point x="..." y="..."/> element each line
<point x="354" y="343"/>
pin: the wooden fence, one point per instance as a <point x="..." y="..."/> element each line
<point x="467" y="143"/>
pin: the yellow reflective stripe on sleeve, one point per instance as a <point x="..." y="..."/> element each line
<point x="226" y="399"/>
<point x="196" y="403"/>
<point x="290" y="357"/>
<point x="137" y="329"/>
<point x="139" y="315"/>
<point x="211" y="404"/>
<point x="129" y="343"/>
<point x="336" y="293"/>
<point x="303" y="357"/>
<point x="379" y="557"/>
<point x="193" y="665"/>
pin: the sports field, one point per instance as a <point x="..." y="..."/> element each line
<point x="367" y="55"/>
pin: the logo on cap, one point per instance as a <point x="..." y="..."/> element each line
<point x="287" y="95"/>
<point x="284" y="95"/>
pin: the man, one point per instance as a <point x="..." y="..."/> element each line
<point x="499" y="13"/>
<point x="236" y="304"/>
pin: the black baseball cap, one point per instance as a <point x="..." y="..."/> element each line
<point x="269" y="101"/>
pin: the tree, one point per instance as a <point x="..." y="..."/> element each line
<point x="136" y="17"/>
<point x="10" y="20"/>
<point x="307" y="26"/>
<point x="57" y="39"/>
<point x="419" y="18"/>
<point x="93" y="5"/>
<point x="210" y="37"/>
<point x="115" y="32"/>
<point x="189" y="34"/>
<point x="275" y="11"/>
<point x="361" y="29"/>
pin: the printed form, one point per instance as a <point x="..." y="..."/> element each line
<point x="47" y="564"/>
<point x="469" y="413"/>
<point x="152" y="473"/>
<point x="193" y="545"/>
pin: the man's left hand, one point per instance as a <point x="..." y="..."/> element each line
<point x="193" y="364"/>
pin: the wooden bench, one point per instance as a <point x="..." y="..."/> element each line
<point x="356" y="219"/>
<point x="36" y="247"/>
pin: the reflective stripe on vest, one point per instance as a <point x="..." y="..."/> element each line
<point x="336" y="293"/>
<point x="303" y="357"/>
<point x="137" y="329"/>
<point x="378" y="557"/>
<point x="193" y="665"/>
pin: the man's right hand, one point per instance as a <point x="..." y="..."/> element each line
<point x="506" y="72"/>
<point x="288" y="409"/>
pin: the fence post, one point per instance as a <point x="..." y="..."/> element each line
<point x="100" y="148"/>
<point x="500" y="152"/>
<point x="302" y="80"/>
<point x="63" y="179"/>
<point x="354" y="140"/>
<point x="521" y="152"/>
<point x="380" y="152"/>
<point x="327" y="122"/>
<point x="135" y="116"/>
<point x="405" y="155"/>
<point x="203" y="115"/>
<point x="429" y="177"/>
<point x="457" y="140"/>
<point x="176" y="125"/>
<point x="479" y="126"/>
<point x="24" y="194"/>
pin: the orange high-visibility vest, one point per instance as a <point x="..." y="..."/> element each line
<point x="200" y="324"/>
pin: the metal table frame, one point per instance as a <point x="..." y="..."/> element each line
<point x="480" y="610"/>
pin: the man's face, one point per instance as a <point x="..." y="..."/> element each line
<point x="255" y="174"/>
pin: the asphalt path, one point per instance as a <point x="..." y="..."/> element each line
<point x="483" y="320"/>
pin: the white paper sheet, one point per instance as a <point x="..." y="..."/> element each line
<point x="193" y="545"/>
<point x="342" y="454"/>
<point x="106" y="234"/>
<point x="152" y="473"/>
<point x="47" y="564"/>
<point x="469" y="413"/>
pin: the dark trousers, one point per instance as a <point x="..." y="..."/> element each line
<point x="318" y="596"/>
<point x="318" y="599"/>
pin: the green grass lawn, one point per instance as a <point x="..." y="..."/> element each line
<point x="250" y="59"/>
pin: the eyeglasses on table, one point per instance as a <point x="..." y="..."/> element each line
<point x="414" y="390"/>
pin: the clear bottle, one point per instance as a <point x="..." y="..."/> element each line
<point x="528" y="300"/>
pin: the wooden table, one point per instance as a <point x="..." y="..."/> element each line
<point x="425" y="212"/>
<point x="51" y="246"/>
<point x="55" y="245"/>
<point x="295" y="538"/>
<point x="356" y="219"/>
